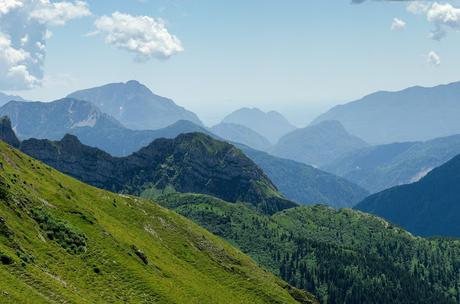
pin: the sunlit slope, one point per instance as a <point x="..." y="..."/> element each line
<point x="62" y="241"/>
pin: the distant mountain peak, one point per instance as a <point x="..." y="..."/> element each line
<point x="241" y="134"/>
<point x="272" y="125"/>
<point x="412" y="114"/>
<point x="70" y="139"/>
<point x="135" y="105"/>
<point x="4" y="98"/>
<point x="134" y="83"/>
<point x="318" y="144"/>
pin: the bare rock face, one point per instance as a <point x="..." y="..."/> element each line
<point x="6" y="132"/>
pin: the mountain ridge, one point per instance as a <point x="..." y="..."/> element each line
<point x="272" y="125"/>
<point x="135" y="105"/>
<point x="241" y="134"/>
<point x="125" y="249"/>
<point x="192" y="162"/>
<point x="429" y="207"/>
<point x="381" y="167"/>
<point x="52" y="120"/>
<point x="412" y="114"/>
<point x="305" y="184"/>
<point x="317" y="144"/>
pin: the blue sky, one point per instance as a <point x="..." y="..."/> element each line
<point x="298" y="57"/>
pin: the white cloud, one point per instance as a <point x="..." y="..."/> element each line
<point x="59" y="13"/>
<point x="23" y="48"/>
<point x="143" y="35"/>
<point x="418" y="7"/>
<point x="14" y="73"/>
<point x="433" y="58"/>
<point x="7" y="5"/>
<point x="442" y="16"/>
<point x="398" y="24"/>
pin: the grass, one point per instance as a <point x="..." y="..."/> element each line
<point x="70" y="242"/>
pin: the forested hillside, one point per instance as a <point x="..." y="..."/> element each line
<point x="341" y="256"/>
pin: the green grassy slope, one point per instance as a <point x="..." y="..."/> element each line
<point x="62" y="241"/>
<point x="342" y="256"/>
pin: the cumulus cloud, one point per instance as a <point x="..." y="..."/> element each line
<point x="398" y="24"/>
<point x="7" y="5"/>
<point x="443" y="16"/>
<point x="418" y="7"/>
<point x="14" y="72"/>
<point x="59" y="13"/>
<point x="144" y="36"/>
<point x="23" y="48"/>
<point x="433" y="58"/>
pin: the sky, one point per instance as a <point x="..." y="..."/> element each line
<point x="299" y="57"/>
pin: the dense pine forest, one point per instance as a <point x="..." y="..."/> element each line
<point x="341" y="256"/>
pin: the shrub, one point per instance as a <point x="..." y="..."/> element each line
<point x="61" y="232"/>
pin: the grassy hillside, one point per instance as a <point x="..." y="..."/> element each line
<point x="62" y="241"/>
<point x="342" y="256"/>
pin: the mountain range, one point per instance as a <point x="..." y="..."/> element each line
<point x="429" y="207"/>
<point x="272" y="125"/>
<point x="192" y="162"/>
<point x="135" y="106"/>
<point x="4" y="98"/>
<point x="241" y="134"/>
<point x="298" y="182"/>
<point x="62" y="241"/>
<point x="305" y="184"/>
<point x="381" y="167"/>
<point x="413" y="114"/>
<point x="52" y="120"/>
<point x="317" y="144"/>
<point x="311" y="247"/>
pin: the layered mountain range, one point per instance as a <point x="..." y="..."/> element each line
<point x="298" y="182"/>
<point x="4" y="98"/>
<point x="192" y="162"/>
<point x="135" y="105"/>
<point x="429" y="207"/>
<point x="271" y="125"/>
<point x="128" y="249"/>
<point x="52" y="120"/>
<point x="380" y="167"/>
<point x="413" y="114"/>
<point x="318" y="144"/>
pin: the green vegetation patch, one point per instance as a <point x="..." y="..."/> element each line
<point x="63" y="233"/>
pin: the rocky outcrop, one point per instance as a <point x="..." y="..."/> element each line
<point x="192" y="162"/>
<point x="6" y="132"/>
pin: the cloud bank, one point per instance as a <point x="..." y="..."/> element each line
<point x="144" y="36"/>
